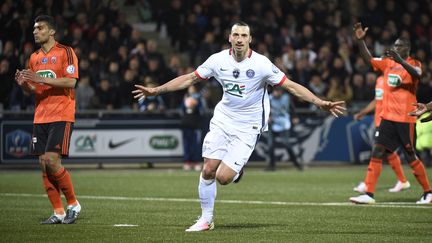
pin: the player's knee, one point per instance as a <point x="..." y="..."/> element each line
<point x="223" y="179"/>
<point x="52" y="162"/>
<point x="410" y="155"/>
<point x="208" y="173"/>
<point x="42" y="160"/>
<point x="379" y="152"/>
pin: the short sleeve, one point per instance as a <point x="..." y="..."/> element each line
<point x="274" y="75"/>
<point x="30" y="62"/>
<point x="379" y="64"/>
<point x="206" y="70"/>
<point x="70" y="64"/>
<point x="417" y="65"/>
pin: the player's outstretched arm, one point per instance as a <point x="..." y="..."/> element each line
<point x="360" y="34"/>
<point x="369" y="108"/>
<point x="181" y="82"/>
<point x="54" y="82"/>
<point x="335" y="108"/>
<point x="421" y="109"/>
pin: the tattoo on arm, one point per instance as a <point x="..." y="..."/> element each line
<point x="193" y="77"/>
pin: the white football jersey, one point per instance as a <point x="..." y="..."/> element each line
<point x="245" y="103"/>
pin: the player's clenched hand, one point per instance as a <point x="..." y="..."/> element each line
<point x="393" y="55"/>
<point x="32" y="76"/>
<point x="336" y="108"/>
<point x="143" y="91"/>
<point x="19" y="78"/>
<point x="360" y="33"/>
<point x="24" y="82"/>
<point x="420" y="110"/>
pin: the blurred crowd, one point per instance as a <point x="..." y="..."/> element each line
<point x="311" y="41"/>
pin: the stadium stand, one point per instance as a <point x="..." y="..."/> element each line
<point x="309" y="40"/>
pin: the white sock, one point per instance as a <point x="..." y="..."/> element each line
<point x="60" y="216"/>
<point x="207" y="195"/>
<point x="76" y="207"/>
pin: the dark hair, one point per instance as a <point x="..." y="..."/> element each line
<point x="48" y="19"/>
<point x="242" y="23"/>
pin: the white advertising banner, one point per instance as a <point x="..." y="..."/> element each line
<point x="126" y="143"/>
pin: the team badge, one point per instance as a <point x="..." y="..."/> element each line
<point x="18" y="143"/>
<point x="275" y="69"/>
<point x="44" y="60"/>
<point x="236" y="73"/>
<point x="70" y="69"/>
<point x="53" y="60"/>
<point x="250" y="73"/>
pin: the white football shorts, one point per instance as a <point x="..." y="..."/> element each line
<point x="232" y="148"/>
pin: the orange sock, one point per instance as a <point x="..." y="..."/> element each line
<point x="394" y="161"/>
<point x="65" y="183"/>
<point x="53" y="195"/>
<point x="419" y="172"/>
<point x="373" y="172"/>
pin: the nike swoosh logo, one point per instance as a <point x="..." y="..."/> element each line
<point x="223" y="69"/>
<point x="113" y="145"/>
<point x="236" y="163"/>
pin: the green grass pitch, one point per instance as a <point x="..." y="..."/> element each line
<point x="281" y="206"/>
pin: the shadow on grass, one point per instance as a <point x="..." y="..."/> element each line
<point x="403" y="200"/>
<point x="246" y="226"/>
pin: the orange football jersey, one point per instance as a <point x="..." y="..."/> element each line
<point x="399" y="89"/>
<point x="54" y="104"/>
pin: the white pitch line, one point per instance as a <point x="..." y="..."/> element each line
<point x="125" y="225"/>
<point x="380" y="205"/>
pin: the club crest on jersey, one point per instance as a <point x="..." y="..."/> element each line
<point x="44" y="60"/>
<point x="53" y="60"/>
<point x="70" y="69"/>
<point x="236" y="73"/>
<point x="250" y="73"/>
<point x="236" y="89"/>
<point x="275" y="69"/>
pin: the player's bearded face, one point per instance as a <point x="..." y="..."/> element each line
<point x="240" y="38"/>
<point x="41" y="32"/>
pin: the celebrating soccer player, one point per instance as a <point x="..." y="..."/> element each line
<point x="240" y="117"/>
<point x="52" y="75"/>
<point x="401" y="77"/>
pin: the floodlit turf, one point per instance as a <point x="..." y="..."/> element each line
<point x="282" y="206"/>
